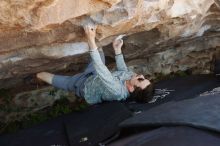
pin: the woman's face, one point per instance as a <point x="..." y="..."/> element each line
<point x="139" y="81"/>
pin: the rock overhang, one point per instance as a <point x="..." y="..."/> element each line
<point x="46" y="31"/>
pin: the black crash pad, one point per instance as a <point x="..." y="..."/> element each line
<point x="171" y="136"/>
<point x="201" y="112"/>
<point x="97" y="124"/>
<point x="46" y="134"/>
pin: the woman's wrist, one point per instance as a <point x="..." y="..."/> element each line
<point x="92" y="48"/>
<point x="92" y="45"/>
<point x="117" y="51"/>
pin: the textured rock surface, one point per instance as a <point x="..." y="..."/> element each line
<point x="42" y="35"/>
<point x="163" y="36"/>
<point x="29" y="102"/>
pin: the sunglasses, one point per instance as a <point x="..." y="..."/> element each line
<point x="140" y="79"/>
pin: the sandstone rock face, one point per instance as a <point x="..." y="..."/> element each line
<point x="163" y="36"/>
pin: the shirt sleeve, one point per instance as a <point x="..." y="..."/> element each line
<point x="104" y="74"/>
<point x="120" y="63"/>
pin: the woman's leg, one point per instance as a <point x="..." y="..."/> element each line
<point x="63" y="82"/>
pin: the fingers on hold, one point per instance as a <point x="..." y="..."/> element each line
<point x="85" y="28"/>
<point x="89" y="28"/>
<point x="94" y="27"/>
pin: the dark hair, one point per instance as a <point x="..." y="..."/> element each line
<point x="142" y="95"/>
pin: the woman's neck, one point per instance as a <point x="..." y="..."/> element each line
<point x="128" y="84"/>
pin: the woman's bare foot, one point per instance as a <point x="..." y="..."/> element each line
<point x="45" y="76"/>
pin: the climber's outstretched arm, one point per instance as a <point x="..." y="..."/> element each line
<point x="120" y="63"/>
<point x="102" y="71"/>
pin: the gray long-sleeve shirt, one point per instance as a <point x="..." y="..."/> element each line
<point x="107" y="86"/>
